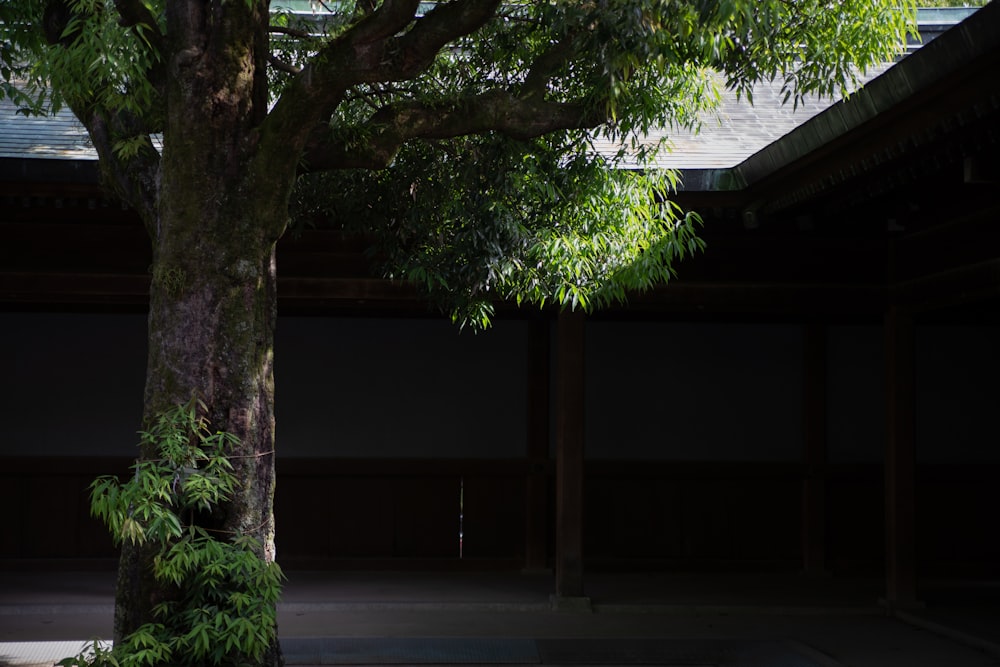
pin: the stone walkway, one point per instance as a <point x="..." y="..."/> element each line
<point x="392" y="618"/>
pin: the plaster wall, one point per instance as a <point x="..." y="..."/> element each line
<point x="371" y="388"/>
<point x="855" y="427"/>
<point x="402" y="388"/>
<point x="701" y="392"/>
<point x="957" y="394"/>
<point x="72" y="383"/>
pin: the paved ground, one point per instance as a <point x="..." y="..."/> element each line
<point x="367" y="618"/>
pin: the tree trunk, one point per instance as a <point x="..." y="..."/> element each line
<point x="213" y="302"/>
<point x="211" y="328"/>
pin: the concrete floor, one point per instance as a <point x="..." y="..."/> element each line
<point x="507" y="618"/>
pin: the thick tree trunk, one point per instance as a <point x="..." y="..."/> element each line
<point x="213" y="302"/>
<point x="211" y="325"/>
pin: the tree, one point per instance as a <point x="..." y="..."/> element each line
<point x="458" y="132"/>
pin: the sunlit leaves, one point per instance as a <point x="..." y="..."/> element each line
<point x="190" y="473"/>
<point x="92" y="60"/>
<point x="220" y="607"/>
<point x="478" y="220"/>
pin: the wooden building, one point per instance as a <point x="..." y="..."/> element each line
<point x="818" y="391"/>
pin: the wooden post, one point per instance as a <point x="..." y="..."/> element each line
<point x="814" y="455"/>
<point x="569" y="459"/>
<point x="900" y="461"/>
<point x="536" y="481"/>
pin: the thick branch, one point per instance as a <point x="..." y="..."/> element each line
<point x="135" y="15"/>
<point x="135" y="179"/>
<point x="441" y="26"/>
<point x="282" y="66"/>
<point x="386" y="21"/>
<point x="291" y="32"/>
<point x="376" y="49"/>
<point x="547" y="64"/>
<point x="499" y="111"/>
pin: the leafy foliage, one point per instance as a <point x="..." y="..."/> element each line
<point x="480" y="219"/>
<point x="95" y="654"/>
<point x="221" y="605"/>
<point x="458" y="134"/>
<point x="470" y="126"/>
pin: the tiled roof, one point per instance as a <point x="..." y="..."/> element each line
<point x="59" y="136"/>
<point x="737" y="129"/>
<point x="726" y="138"/>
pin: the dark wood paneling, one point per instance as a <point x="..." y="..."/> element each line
<point x="638" y="514"/>
<point x="361" y="518"/>
<point x="495" y="514"/>
<point x="692" y="512"/>
<point x="957" y="518"/>
<point x="855" y="518"/>
<point x="52" y="500"/>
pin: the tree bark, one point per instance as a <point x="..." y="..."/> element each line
<point x="213" y="301"/>
<point x="211" y="327"/>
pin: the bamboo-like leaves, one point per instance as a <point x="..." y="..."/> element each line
<point x="222" y="608"/>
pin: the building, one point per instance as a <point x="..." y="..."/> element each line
<point x="817" y="392"/>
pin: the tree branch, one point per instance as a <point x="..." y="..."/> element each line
<point x="375" y="50"/>
<point x="132" y="14"/>
<point x="135" y="179"/>
<point x="439" y="27"/>
<point x="499" y="111"/>
<point x="386" y="21"/>
<point x="133" y="176"/>
<point x="547" y="64"/>
<point x="281" y="65"/>
<point x="291" y="32"/>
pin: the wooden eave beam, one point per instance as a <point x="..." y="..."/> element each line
<point x="882" y="122"/>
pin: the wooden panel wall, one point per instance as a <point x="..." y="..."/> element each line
<point x="690" y="514"/>
<point x="638" y="515"/>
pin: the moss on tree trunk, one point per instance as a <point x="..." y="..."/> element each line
<point x="211" y="329"/>
<point x="213" y="302"/>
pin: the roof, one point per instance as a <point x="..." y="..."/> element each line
<point x="726" y="140"/>
<point x="734" y="132"/>
<point x="887" y="198"/>
<point x="736" y="129"/>
<point x="59" y="137"/>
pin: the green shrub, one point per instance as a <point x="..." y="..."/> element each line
<point x="219" y="606"/>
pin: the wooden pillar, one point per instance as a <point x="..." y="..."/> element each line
<point x="536" y="483"/>
<point x="814" y="454"/>
<point x="900" y="461"/>
<point x="569" y="455"/>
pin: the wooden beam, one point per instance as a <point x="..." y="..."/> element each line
<point x="814" y="454"/>
<point x="536" y="484"/>
<point x="960" y="286"/>
<point x="900" y="461"/>
<point x="570" y="396"/>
